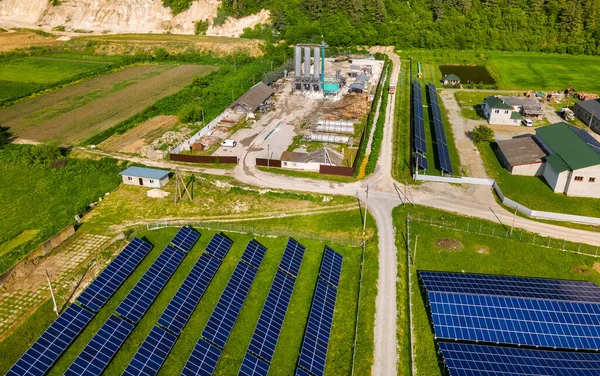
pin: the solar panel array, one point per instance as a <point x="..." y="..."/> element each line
<point x="252" y="366"/>
<point x="471" y="360"/>
<point x="46" y="350"/>
<point x="149" y="286"/>
<point x="113" y="276"/>
<point x="94" y="358"/>
<point x="440" y="133"/>
<point x="292" y="258"/>
<point x="418" y="119"/>
<point x="187" y="297"/>
<point x="207" y="351"/>
<point x="185" y="239"/>
<point x="219" y="246"/>
<point x="152" y="354"/>
<point x="422" y="162"/>
<point x="313" y="354"/>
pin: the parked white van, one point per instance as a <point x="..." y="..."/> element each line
<point x="528" y="122"/>
<point x="229" y="143"/>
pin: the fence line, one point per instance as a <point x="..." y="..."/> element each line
<point x="201" y="133"/>
<point x="258" y="231"/>
<point x="455" y="180"/>
<point x="499" y="231"/>
<point x="360" y="279"/>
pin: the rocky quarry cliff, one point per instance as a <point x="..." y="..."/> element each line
<point x="120" y="16"/>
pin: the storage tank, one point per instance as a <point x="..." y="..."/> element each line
<point x="330" y="128"/>
<point x="317" y="57"/>
<point x="336" y="122"/>
<point x="298" y="61"/>
<point x="331" y="138"/>
<point x="306" y="62"/>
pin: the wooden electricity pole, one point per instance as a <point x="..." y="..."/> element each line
<point x="181" y="187"/>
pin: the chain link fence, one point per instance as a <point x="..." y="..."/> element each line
<point x="500" y="231"/>
<point x="257" y="231"/>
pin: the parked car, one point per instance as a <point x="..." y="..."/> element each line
<point x="229" y="143"/>
<point x="527" y="122"/>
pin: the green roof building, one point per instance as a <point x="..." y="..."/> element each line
<point x="500" y="111"/>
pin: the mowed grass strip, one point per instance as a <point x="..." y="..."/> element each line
<point x="339" y="359"/>
<point x="84" y="121"/>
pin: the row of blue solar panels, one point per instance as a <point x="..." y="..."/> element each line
<point x="331" y="267"/>
<point x="475" y="360"/>
<point x="219" y="246"/>
<point x="301" y="372"/>
<point x="149" y="286"/>
<point x="152" y="354"/>
<point x="253" y="366"/>
<point x="94" y="358"/>
<point x="313" y="353"/>
<point x="187" y="297"/>
<point x="491" y="314"/>
<point x="292" y="258"/>
<point x="418" y="119"/>
<point x="203" y="360"/>
<point x="46" y="350"/>
<point x="422" y="162"/>
<point x="440" y="133"/>
<point x="185" y="239"/>
<point x="254" y="253"/>
<point x="113" y="276"/>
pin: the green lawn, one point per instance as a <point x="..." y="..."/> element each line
<point x="401" y="157"/>
<point x="339" y="358"/>
<point x="480" y="254"/>
<point x="533" y="192"/>
<point x="23" y="75"/>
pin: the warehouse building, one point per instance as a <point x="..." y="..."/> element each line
<point x="589" y="113"/>
<point x="522" y="156"/>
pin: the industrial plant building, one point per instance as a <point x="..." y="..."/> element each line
<point x="589" y="113"/>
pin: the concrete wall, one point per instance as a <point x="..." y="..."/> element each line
<point x="152" y="183"/>
<point x="556" y="181"/>
<point x="586" y="187"/>
<point x="533" y="169"/>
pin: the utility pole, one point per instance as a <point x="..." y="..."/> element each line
<point x="514" y="219"/>
<point x="591" y="119"/>
<point x="269" y="157"/>
<point x="52" y="293"/>
<point x="366" y="210"/>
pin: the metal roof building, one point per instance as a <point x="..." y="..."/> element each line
<point x="148" y="177"/>
<point x="589" y="113"/>
<point x="253" y="98"/>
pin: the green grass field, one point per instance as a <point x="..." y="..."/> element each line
<point x="479" y="254"/>
<point x="532" y="191"/>
<point x="24" y="75"/>
<point x="401" y="156"/>
<point x="339" y="358"/>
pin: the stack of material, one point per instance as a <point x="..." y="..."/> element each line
<point x="587" y="96"/>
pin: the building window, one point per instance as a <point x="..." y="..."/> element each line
<point x="497" y="111"/>
<point x="129" y="178"/>
<point x="506" y="112"/>
<point x="578" y="178"/>
<point x="592" y="180"/>
<point x="151" y="181"/>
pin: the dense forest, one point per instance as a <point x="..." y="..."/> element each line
<point x="565" y="26"/>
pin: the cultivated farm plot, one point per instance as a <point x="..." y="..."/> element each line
<point x="134" y="139"/>
<point x="77" y="112"/>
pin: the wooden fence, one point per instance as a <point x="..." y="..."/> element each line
<point x="268" y="162"/>
<point x="203" y="159"/>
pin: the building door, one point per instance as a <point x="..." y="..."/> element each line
<point x="141" y="181"/>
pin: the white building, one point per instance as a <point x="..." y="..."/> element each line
<point x="499" y="111"/>
<point x="147" y="177"/>
<point x="522" y="156"/>
<point x="311" y="161"/>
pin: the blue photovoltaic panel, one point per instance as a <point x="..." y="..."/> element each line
<point x="38" y="359"/>
<point x="516" y="321"/>
<point x="422" y="162"/>
<point x="152" y="354"/>
<point x="138" y="301"/>
<point x="187" y="297"/>
<point x="440" y="133"/>
<point x="266" y="334"/>
<point x="252" y="366"/>
<point x="254" y="253"/>
<point x="418" y="119"/>
<point x="228" y="308"/>
<point x="102" y="348"/>
<point x="331" y="267"/>
<point x="219" y="246"/>
<point x="203" y="360"/>
<point x="113" y="276"/>
<point x="292" y="257"/>
<point x="301" y="372"/>
<point x="524" y="287"/>
<point x="313" y="353"/>
<point x="475" y="360"/>
<point x="185" y="239"/>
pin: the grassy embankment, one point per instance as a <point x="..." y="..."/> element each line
<point x="477" y="254"/>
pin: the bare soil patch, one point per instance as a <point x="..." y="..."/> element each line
<point x="21" y="39"/>
<point x="484" y="250"/>
<point x="582" y="269"/>
<point x="135" y="139"/>
<point x="449" y="244"/>
<point x="88" y="117"/>
<point x="596" y="266"/>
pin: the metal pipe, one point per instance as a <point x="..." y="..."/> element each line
<point x="331" y="138"/>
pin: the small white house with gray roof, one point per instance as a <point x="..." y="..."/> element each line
<point x="147" y="177"/>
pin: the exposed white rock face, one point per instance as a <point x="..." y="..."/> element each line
<point x="120" y="16"/>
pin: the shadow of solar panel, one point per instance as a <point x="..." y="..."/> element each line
<point x="102" y="348"/>
<point x="113" y="276"/>
<point x="254" y="254"/>
<point x="331" y="266"/>
<point x="152" y="353"/>
<point x="252" y="366"/>
<point x="524" y="287"/>
<point x="313" y="353"/>
<point x="203" y="359"/>
<point x="46" y="350"/>
<point x="265" y="336"/>
<point x="466" y="359"/>
<point x="218" y="246"/>
<point x="516" y="321"/>
<point x="301" y="372"/>
<point x="185" y="239"/>
<point x="137" y="302"/>
<point x="292" y="257"/>
<point x="187" y="297"/>
<point x="228" y="307"/>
